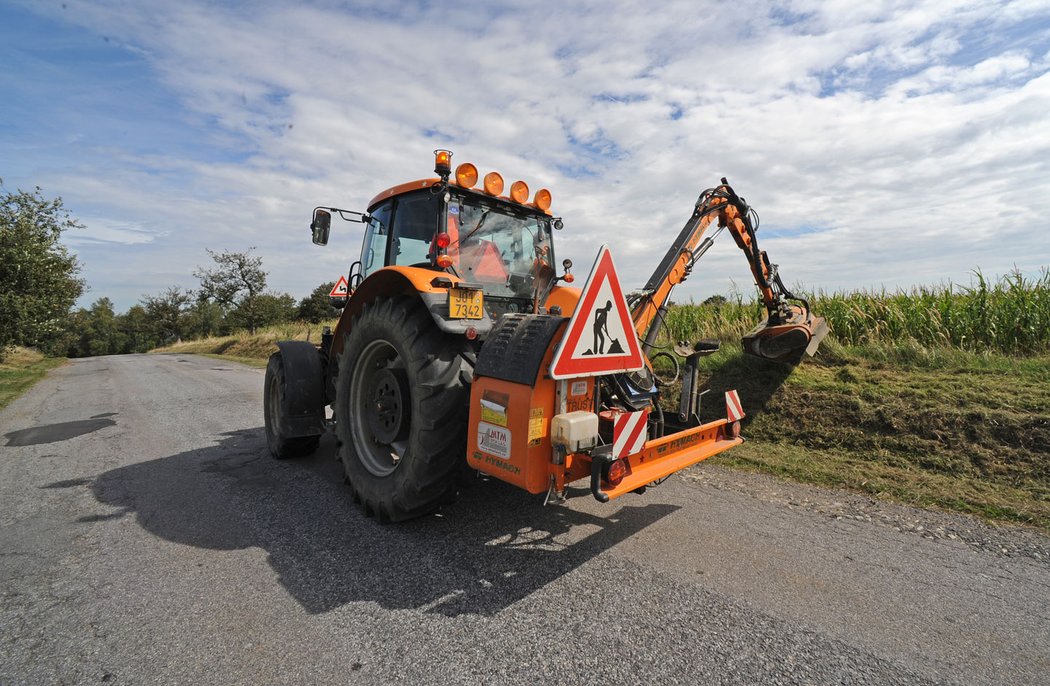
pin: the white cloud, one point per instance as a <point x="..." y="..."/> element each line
<point x="103" y="231"/>
<point x="910" y="139"/>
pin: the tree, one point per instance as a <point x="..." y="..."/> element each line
<point x="317" y="307"/>
<point x="715" y="301"/>
<point x="72" y="340"/>
<point x="103" y="335"/>
<point x="236" y="282"/>
<point x="270" y="308"/>
<point x="139" y="329"/>
<point x="38" y="276"/>
<point x="205" y="318"/>
<point x="166" y="312"/>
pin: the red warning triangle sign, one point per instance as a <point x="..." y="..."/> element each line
<point x="341" y="290"/>
<point x="601" y="337"/>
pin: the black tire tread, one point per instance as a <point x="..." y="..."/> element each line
<point x="282" y="447"/>
<point x="437" y="440"/>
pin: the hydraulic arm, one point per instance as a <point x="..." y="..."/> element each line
<point x="789" y="328"/>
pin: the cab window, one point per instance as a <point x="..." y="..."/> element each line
<point x="505" y="249"/>
<point x="373" y="251"/>
<point x="415" y="223"/>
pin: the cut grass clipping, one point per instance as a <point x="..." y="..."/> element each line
<point x="21" y="369"/>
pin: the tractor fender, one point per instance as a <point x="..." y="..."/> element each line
<point x="564" y="298"/>
<point x="431" y="287"/>
<point x="304" y="393"/>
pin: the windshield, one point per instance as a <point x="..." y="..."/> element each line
<point x="508" y="252"/>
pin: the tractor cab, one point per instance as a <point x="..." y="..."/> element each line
<point x="498" y="245"/>
<point x="503" y="249"/>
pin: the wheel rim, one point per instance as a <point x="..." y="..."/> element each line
<point x="386" y="404"/>
<point x="380" y="408"/>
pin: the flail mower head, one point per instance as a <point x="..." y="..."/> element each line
<point x="786" y="339"/>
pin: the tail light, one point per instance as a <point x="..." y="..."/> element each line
<point x="615" y="472"/>
<point x="442" y="240"/>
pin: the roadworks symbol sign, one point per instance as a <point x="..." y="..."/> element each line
<point x="600" y="338"/>
<point x="341" y="290"/>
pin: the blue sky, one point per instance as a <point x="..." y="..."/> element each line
<point x="883" y="143"/>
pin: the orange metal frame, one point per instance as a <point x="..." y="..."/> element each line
<point x="529" y="463"/>
<point x="659" y="457"/>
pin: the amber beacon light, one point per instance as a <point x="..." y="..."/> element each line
<point x="493" y="183"/>
<point x="443" y="163"/>
<point x="466" y="175"/>
<point x="519" y="192"/>
<point x="543" y="199"/>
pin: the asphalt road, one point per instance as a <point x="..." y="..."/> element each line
<point x="146" y="536"/>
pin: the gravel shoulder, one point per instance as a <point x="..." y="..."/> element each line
<point x="997" y="540"/>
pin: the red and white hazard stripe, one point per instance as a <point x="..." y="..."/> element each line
<point x="734" y="410"/>
<point x="630" y="431"/>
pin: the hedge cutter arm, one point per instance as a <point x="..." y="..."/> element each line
<point x="789" y="329"/>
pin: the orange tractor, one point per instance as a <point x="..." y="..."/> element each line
<point x="460" y="346"/>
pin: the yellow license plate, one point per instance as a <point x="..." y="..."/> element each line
<point x="464" y="303"/>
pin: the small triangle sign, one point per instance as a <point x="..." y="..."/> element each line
<point x="600" y="338"/>
<point x="341" y="290"/>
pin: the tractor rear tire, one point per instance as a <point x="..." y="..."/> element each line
<point x="281" y="445"/>
<point x="401" y="409"/>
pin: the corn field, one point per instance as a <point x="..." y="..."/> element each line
<point x="1011" y="315"/>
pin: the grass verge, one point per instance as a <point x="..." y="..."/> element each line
<point x="20" y="370"/>
<point x="251" y="349"/>
<point x="958" y="431"/>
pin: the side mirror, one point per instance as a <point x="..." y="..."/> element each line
<point x="321" y="226"/>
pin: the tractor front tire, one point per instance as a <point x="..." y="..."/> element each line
<point x="275" y="409"/>
<point x="401" y="409"/>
